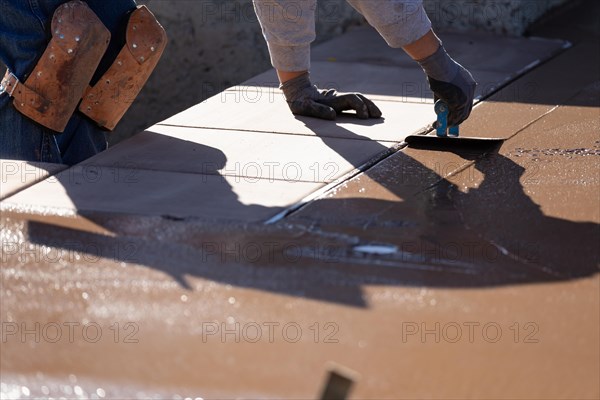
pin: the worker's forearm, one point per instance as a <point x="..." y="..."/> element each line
<point x="423" y="47"/>
<point x="285" y="76"/>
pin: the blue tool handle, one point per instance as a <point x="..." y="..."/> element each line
<point x="441" y="128"/>
<point x="441" y="109"/>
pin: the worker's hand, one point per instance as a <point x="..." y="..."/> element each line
<point x="305" y="99"/>
<point x="450" y="82"/>
<point x="458" y="94"/>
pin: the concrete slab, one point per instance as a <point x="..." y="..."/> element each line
<point x="450" y="219"/>
<point x="501" y="120"/>
<point x="391" y="203"/>
<point x="481" y="52"/>
<point x="18" y="175"/>
<point x="266" y="111"/>
<point x="562" y="165"/>
<point x="240" y="153"/>
<point x="538" y="92"/>
<point x="87" y="190"/>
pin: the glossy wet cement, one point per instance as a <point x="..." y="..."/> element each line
<point x="173" y="307"/>
<point x="432" y="274"/>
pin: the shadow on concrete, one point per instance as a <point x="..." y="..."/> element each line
<point x="493" y="234"/>
<point x="488" y="236"/>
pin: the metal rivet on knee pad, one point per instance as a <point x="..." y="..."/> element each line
<point x="70" y="51"/>
<point x="62" y="36"/>
<point x="77" y="38"/>
<point x="152" y="48"/>
<point x="142" y="59"/>
<point x="134" y="46"/>
<point x="39" y="73"/>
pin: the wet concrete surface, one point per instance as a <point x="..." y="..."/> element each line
<point x="178" y="308"/>
<point x="432" y="274"/>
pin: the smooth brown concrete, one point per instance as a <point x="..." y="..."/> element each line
<point x="173" y="292"/>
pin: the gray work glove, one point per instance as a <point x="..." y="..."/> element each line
<point x="306" y="99"/>
<point x="450" y="82"/>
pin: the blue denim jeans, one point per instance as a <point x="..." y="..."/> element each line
<point x="24" y="35"/>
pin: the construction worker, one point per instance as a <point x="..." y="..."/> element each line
<point x="289" y="28"/>
<point x="74" y="68"/>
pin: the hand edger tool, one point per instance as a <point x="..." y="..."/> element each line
<point x="448" y="136"/>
